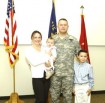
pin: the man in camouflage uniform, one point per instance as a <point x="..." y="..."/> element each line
<point x="67" y="48"/>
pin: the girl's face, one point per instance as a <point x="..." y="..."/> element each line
<point x="50" y="42"/>
<point x="36" y="39"/>
<point x="82" y="57"/>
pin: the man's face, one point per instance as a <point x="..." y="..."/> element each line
<point x="63" y="26"/>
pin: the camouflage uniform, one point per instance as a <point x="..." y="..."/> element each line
<point x="67" y="48"/>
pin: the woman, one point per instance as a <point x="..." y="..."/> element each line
<point x="38" y="60"/>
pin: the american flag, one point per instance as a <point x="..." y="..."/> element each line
<point x="10" y="38"/>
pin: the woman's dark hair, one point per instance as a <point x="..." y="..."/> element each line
<point x="34" y="32"/>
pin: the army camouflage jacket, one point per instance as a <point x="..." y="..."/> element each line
<point x="67" y="49"/>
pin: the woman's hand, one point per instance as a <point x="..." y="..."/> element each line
<point x="49" y="52"/>
<point x="48" y="64"/>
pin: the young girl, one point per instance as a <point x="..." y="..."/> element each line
<point x="51" y="51"/>
<point x="83" y="79"/>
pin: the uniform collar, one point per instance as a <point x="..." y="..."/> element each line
<point x="67" y="36"/>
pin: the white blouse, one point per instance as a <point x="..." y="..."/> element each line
<point x="37" y="61"/>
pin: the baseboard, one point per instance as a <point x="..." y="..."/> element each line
<point x="98" y="92"/>
<point x="20" y="96"/>
<point x="33" y="96"/>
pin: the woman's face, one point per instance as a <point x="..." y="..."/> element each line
<point x="36" y="39"/>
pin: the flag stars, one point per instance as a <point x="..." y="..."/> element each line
<point x="53" y="26"/>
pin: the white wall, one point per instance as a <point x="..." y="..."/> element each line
<point x="97" y="58"/>
<point x="35" y="14"/>
<point x="23" y="73"/>
<point x="23" y="83"/>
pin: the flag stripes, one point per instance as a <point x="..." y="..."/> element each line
<point x="10" y="38"/>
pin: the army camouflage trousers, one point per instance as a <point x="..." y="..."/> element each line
<point x="62" y="84"/>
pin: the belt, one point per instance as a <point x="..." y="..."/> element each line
<point x="81" y="83"/>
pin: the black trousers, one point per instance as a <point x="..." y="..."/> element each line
<point x="41" y="88"/>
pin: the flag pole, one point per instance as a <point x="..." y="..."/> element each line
<point x="54" y="3"/>
<point x="14" y="98"/>
<point x="13" y="44"/>
<point x="83" y="37"/>
<point x="14" y="78"/>
<point x="82" y="7"/>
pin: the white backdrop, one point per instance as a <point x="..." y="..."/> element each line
<point x="23" y="77"/>
<point x="35" y="15"/>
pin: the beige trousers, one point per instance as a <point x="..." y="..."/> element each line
<point x="80" y="93"/>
